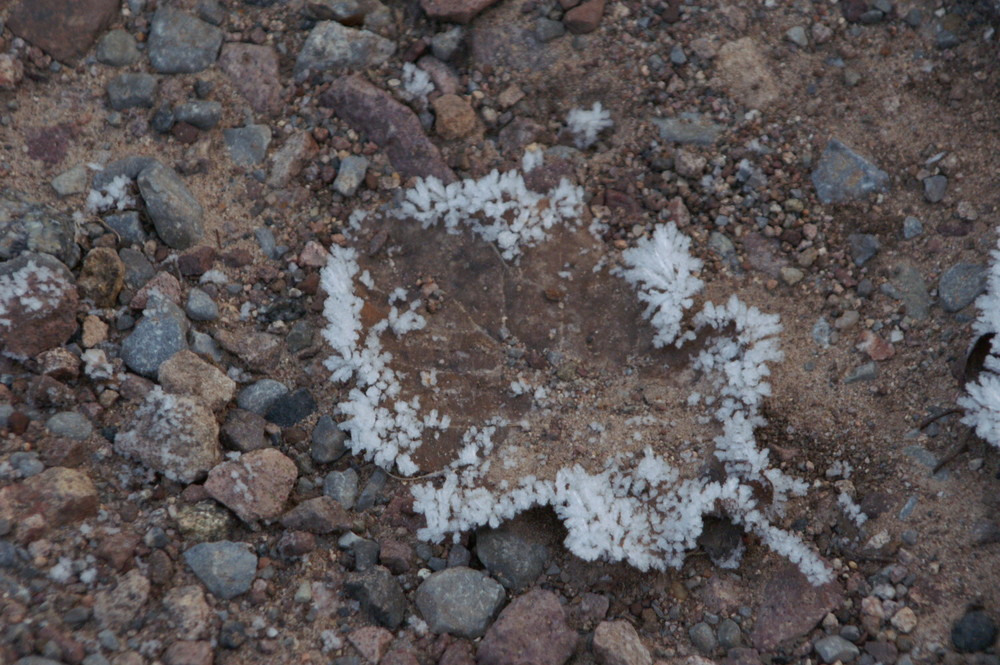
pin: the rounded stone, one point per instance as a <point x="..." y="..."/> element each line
<point x="226" y="568"/>
<point x="460" y="601"/>
<point x="976" y="631"/>
<point x="260" y="396"/>
<point x="71" y="425"/>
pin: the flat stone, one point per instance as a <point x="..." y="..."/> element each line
<point x="38" y="301"/>
<point x="70" y="424"/>
<point x="200" y="306"/>
<point x="459" y="601"/>
<point x="834" y="648"/>
<point x="182" y="44"/>
<point x="59" y="496"/>
<point x="617" y="643"/>
<point x="247" y="145"/>
<point x="371" y="642"/>
<point x="843" y="175"/>
<point x="862" y="373"/>
<point x="227" y="569"/>
<point x="332" y="46"/>
<point x="380" y="596"/>
<point x="289" y="409"/>
<point x="934" y="188"/>
<point x="117" y="48"/>
<point x="174" y="435"/>
<point x="158" y="336"/>
<point x="703" y="638"/>
<point x="864" y="246"/>
<point x="350" y="175"/>
<point x="201" y="113"/>
<point x="912" y="227"/>
<point x="132" y="90"/>
<point x="101" y="277"/>
<point x="791" y="607"/>
<point x="28" y="226"/>
<point x="328" y="443"/>
<point x="912" y="289"/>
<point x="689" y="129"/>
<point x="256" y="486"/>
<point x="960" y="285"/>
<point x="746" y="75"/>
<point x="188" y="612"/>
<point x="253" y="70"/>
<point x="72" y="181"/>
<point x="455" y="11"/>
<point x="531" y="630"/>
<point x="342" y="486"/>
<point x="64" y="30"/>
<point x="321" y="515"/>
<point x="585" y="17"/>
<point x="510" y="557"/>
<point x="389" y="124"/>
<point x="298" y="150"/>
<point x="173" y="209"/>
<point x="117" y="607"/>
<point x="260" y="351"/>
<point x="185" y="373"/>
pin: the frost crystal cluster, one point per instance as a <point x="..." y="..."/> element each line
<point x="982" y="401"/>
<point x="646" y="501"/>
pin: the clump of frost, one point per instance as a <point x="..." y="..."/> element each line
<point x="852" y="509"/>
<point x="499" y="208"/>
<point x="586" y="125"/>
<point x="116" y="195"/>
<point x="416" y="82"/>
<point x="982" y="399"/>
<point x="638" y="508"/>
<point x="31" y="288"/>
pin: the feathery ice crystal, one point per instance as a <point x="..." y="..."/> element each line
<point x="645" y="503"/>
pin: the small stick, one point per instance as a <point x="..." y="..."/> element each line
<point x="932" y="419"/>
<point x="962" y="447"/>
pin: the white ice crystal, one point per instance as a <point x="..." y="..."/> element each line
<point x="982" y="399"/>
<point x="585" y="125"/>
<point x="638" y="508"/>
<point x="416" y="82"/>
<point x="116" y="195"/>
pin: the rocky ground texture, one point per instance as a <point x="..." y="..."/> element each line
<point x="173" y="485"/>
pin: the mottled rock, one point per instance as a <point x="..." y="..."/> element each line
<point x="791" y="607"/>
<point x="132" y="90"/>
<point x="115" y="608"/>
<point x="185" y="373"/>
<point x="188" y="612"/>
<point x="58" y="496"/>
<point x="297" y="151"/>
<point x="510" y="557"/>
<point x="259" y="396"/>
<point x="331" y="45"/>
<point x="454" y="117"/>
<point x="254" y="487"/>
<point x="180" y="43"/>
<point x="531" y="630"/>
<point x="28" y="226"/>
<point x="64" y="30"/>
<point x="934" y="188"/>
<point x="200" y="306"/>
<point x="174" y="435"/>
<point x="11" y="71"/>
<point x="617" y="643"/>
<point x="171" y="206"/>
<point x="117" y="48"/>
<point x="745" y="74"/>
<point x="912" y="290"/>
<point x="390" y="124"/>
<point x="38" y="302"/>
<point x="70" y="424"/>
<point x="259" y="351"/>
<point x="342" y="486"/>
<point x="71" y="181"/>
<point x="834" y="648"/>
<point x="158" y="336"/>
<point x="247" y="145"/>
<point x="102" y="276"/>
<point x="844" y="175"/>
<point x="459" y="601"/>
<point x="201" y="113"/>
<point x="371" y="642"/>
<point x="350" y="175"/>
<point x="960" y="285"/>
<point x="226" y="568"/>
<point x="253" y="70"/>
<point x="689" y="129"/>
<point x="380" y="596"/>
<point x="244" y="431"/>
<point x="321" y="515"/>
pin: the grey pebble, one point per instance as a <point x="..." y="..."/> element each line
<point x="291" y="408"/>
<point x="258" y="397"/>
<point x="689" y="129"/>
<point x="203" y="344"/>
<point x="444" y="45"/>
<point x="843" y="175"/>
<point x="117" y="48"/>
<point x="797" y="35"/>
<point x="247" y="145"/>
<point x="912" y="290"/>
<point x="26" y="225"/>
<point x="934" y="188"/>
<point x="26" y="464"/>
<point x="132" y="90"/>
<point x="182" y="44"/>
<point x="72" y="181"/>
<point x="677" y="55"/>
<point x="729" y="634"/>
<point x="833" y="648"/>
<point x="703" y="638"/>
<point x="175" y="212"/>
<point x="350" y="175"/>
<point x="163" y="119"/>
<point x="300" y="336"/>
<point x="71" y="425"/>
<point x="547" y="30"/>
<point x="459" y="601"/>
<point x="226" y="568"/>
<point x="866" y="372"/>
<point x="380" y="596"/>
<point x="328" y="442"/>
<point x="821" y="332"/>
<point x="128" y="226"/>
<point x="267" y="242"/>
<point x="365" y="553"/>
<point x="200" y="306"/>
<point x="912" y="227"/>
<point x="331" y="45"/>
<point x="513" y="560"/>
<point x="960" y="285"/>
<point x="202" y="114"/>
<point x="373" y="488"/>
<point x="864" y="246"/>
<point x="158" y="335"/>
<point x="342" y="486"/>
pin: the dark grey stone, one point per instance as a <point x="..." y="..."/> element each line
<point x="132" y="90"/>
<point x="372" y="490"/>
<point x="226" y="568"/>
<point x="459" y="555"/>
<point x="291" y="408"/>
<point x="843" y="175"/>
<point x="182" y="44"/>
<point x="365" y="554"/>
<point x="960" y="285"/>
<point x="118" y="49"/>
<point x="703" y="638"/>
<point x="163" y="119"/>
<point x="128" y="226"/>
<point x="26" y="464"/>
<point x="912" y="227"/>
<point x="546" y="29"/>
<point x="934" y="188"/>
<point x="729" y="635"/>
<point x="158" y="335"/>
<point x="247" y="145"/>
<point x="866" y="372"/>
<point x="175" y="212"/>
<point x="328" y="443"/>
<point x="677" y="55"/>
<point x="258" y="397"/>
<point x="976" y="631"/>
<point x="138" y="269"/>
<point x="459" y="601"/>
<point x="130" y="167"/>
<point x="863" y="247"/>
<point x="514" y="561"/>
<point x="200" y="306"/>
<point x="444" y="45"/>
<point x="912" y="290"/>
<point x="202" y="114"/>
<point x="833" y="648"/>
<point x="380" y="596"/>
<point x="342" y="486"/>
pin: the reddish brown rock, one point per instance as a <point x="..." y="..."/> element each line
<point x="165" y="283"/>
<point x="618" y="643"/>
<point x="115" y="608"/>
<point x="399" y="657"/>
<point x="189" y="653"/>
<point x="585" y="17"/>
<point x="185" y="373"/>
<point x="396" y="556"/>
<point x="458" y="653"/>
<point x="531" y="630"/>
<point x="253" y="70"/>
<point x="390" y="124"/>
<point x="792" y="607"/>
<point x="454" y="117"/>
<point x="196" y="262"/>
<point x="371" y="642"/>
<point x="296" y="543"/>
<point x="455" y="11"/>
<point x="37" y="304"/>
<point x="117" y="548"/>
<point x="320" y="515"/>
<point x="258" y="350"/>
<point x="189" y="612"/>
<point x="56" y="496"/>
<point x="877" y="348"/>
<point x="59" y="363"/>
<point x="254" y="487"/>
<point x="62" y="28"/>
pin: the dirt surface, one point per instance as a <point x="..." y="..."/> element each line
<point x="914" y="95"/>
